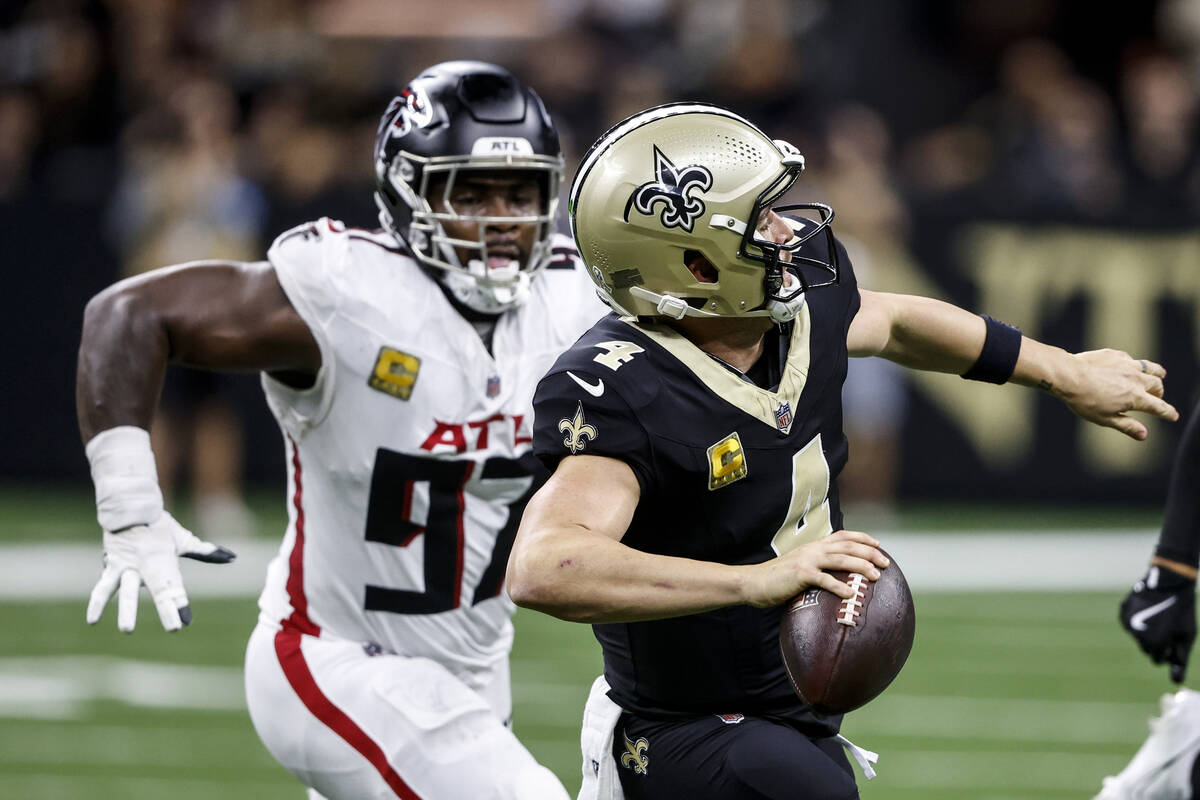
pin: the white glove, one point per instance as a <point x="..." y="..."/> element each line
<point x="149" y="554"/>
<point x="142" y="542"/>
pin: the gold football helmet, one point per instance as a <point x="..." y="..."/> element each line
<point x="687" y="178"/>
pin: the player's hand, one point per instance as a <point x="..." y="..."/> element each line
<point x="1160" y="613"/>
<point x="780" y="579"/>
<point x="150" y="554"/>
<point x="1105" y="385"/>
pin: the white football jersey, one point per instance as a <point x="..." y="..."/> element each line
<point x="409" y="458"/>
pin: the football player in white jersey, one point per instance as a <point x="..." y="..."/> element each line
<point x="400" y="365"/>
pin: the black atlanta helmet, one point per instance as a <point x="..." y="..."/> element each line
<point x="453" y="117"/>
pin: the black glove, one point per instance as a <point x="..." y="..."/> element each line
<point x="1160" y="613"/>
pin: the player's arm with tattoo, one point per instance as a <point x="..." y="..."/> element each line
<point x="568" y="559"/>
<point x="1101" y="386"/>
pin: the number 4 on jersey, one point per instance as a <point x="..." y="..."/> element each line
<point x="616" y="353"/>
<point x="808" y="514"/>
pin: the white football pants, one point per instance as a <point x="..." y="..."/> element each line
<point x="354" y="726"/>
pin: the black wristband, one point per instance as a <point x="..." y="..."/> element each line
<point x="998" y="359"/>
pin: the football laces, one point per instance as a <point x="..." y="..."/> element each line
<point x="851" y="607"/>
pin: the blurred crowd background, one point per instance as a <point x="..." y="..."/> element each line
<point x="1035" y="159"/>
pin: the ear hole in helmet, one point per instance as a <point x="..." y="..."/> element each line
<point x="700" y="266"/>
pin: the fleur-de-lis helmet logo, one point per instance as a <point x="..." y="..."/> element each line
<point x="672" y="190"/>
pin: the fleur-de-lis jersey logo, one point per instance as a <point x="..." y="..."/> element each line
<point x="635" y="757"/>
<point x="577" y="430"/>
<point x="672" y="189"/>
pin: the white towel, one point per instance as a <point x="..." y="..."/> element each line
<point x="863" y="756"/>
<point x="600" y="780"/>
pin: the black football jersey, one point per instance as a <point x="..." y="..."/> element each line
<point x="729" y="472"/>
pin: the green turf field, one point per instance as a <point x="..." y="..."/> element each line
<point x="1007" y="696"/>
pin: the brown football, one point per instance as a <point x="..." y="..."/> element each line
<point x="840" y="654"/>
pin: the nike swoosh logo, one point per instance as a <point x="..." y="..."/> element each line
<point x="594" y="389"/>
<point x="1138" y="620"/>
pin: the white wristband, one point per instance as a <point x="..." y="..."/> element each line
<point x="126" y="478"/>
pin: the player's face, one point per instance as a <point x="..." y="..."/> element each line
<point x="771" y="227"/>
<point x="512" y="193"/>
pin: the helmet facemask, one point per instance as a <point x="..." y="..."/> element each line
<point x="694" y="178"/>
<point x="789" y="275"/>
<point x="461" y="119"/>
<point x="479" y="279"/>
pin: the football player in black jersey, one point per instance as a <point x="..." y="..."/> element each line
<point x="696" y="437"/>
<point x="1160" y="613"/>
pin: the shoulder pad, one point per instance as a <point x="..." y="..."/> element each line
<point x="612" y="356"/>
<point x="311" y="241"/>
<point x="308" y="261"/>
<point x="576" y="413"/>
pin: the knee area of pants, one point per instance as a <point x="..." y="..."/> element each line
<point x="538" y="783"/>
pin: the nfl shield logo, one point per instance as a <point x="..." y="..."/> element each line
<point x="783" y="416"/>
<point x="493" y="387"/>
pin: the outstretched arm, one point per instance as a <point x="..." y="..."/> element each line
<point x="213" y="315"/>
<point x="1101" y="386"/>
<point x="568" y="559"/>
<point x="226" y="316"/>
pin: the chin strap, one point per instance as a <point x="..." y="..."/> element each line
<point x="485" y="298"/>
<point x="786" y="310"/>
<point x="673" y="307"/>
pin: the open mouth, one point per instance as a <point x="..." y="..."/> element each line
<point x="500" y="255"/>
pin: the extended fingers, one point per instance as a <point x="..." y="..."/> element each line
<point x="829" y="583"/>
<point x="1156" y="406"/>
<point x="127" y="601"/>
<point x="853" y="536"/>
<point x="169" y="614"/>
<point x="165" y="585"/>
<point x="188" y="545"/>
<point x="849" y="563"/>
<point x="858" y="544"/>
<point x="1153" y="384"/>
<point x="867" y="554"/>
<point x="1151" y="368"/>
<point x="1127" y="425"/>
<point x="101" y="593"/>
<point x="1151" y="375"/>
<point x="213" y="554"/>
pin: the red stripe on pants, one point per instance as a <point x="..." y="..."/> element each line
<point x="295" y="668"/>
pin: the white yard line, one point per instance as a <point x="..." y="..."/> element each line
<point x="59" y="687"/>
<point x="979" y="560"/>
<point x="991" y="773"/>
<point x="56" y="687"/>
<point x="67" y="571"/>
<point x="1020" y="559"/>
<point x="981" y="719"/>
